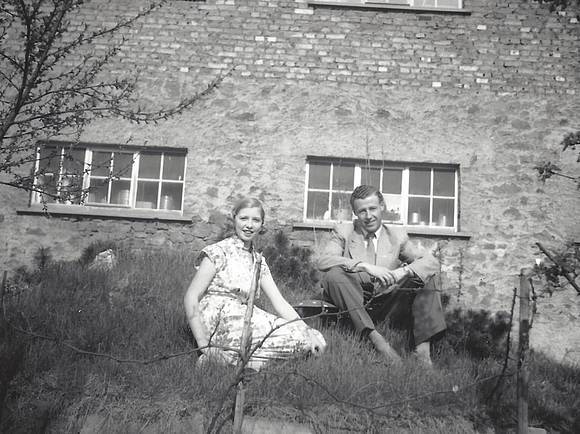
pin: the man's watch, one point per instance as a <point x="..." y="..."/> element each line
<point x="408" y="271"/>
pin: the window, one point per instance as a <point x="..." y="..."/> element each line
<point x="442" y="4"/>
<point x="107" y="176"/>
<point x="415" y="194"/>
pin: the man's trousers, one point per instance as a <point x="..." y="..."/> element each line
<point x="354" y="293"/>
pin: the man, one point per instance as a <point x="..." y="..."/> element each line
<point x="365" y="262"/>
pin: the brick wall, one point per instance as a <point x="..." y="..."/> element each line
<point x="517" y="46"/>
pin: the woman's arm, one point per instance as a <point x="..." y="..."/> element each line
<point x="197" y="288"/>
<point x="281" y="306"/>
<point x="287" y="312"/>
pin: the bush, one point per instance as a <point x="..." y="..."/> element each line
<point x="478" y="333"/>
<point x="290" y="265"/>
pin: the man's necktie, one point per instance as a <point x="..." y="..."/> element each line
<point x="371" y="252"/>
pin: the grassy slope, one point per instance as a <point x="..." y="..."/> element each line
<point x="135" y="312"/>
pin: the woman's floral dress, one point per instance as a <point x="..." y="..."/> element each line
<point x="223" y="308"/>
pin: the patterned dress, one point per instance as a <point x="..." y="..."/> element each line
<point x="223" y="308"/>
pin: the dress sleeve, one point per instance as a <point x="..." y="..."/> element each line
<point x="215" y="254"/>
<point x="264" y="269"/>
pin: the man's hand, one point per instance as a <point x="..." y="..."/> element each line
<point x="385" y="276"/>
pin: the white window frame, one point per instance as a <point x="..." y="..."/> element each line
<point x="359" y="165"/>
<point x="133" y="178"/>
<point x="416" y="4"/>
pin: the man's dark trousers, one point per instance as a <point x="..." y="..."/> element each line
<point x="354" y="292"/>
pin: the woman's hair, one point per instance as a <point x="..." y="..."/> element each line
<point x="249" y="202"/>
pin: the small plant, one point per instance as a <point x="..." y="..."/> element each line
<point x="478" y="333"/>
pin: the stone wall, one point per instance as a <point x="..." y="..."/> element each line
<point x="493" y="92"/>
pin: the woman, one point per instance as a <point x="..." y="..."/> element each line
<point x="216" y="299"/>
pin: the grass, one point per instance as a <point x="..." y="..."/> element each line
<point x="135" y="312"/>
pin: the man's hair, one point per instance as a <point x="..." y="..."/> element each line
<point x="364" y="191"/>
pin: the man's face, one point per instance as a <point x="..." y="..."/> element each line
<point x="370" y="212"/>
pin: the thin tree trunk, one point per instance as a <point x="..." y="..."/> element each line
<point x="245" y="346"/>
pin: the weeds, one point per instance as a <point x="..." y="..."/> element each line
<point x="134" y="311"/>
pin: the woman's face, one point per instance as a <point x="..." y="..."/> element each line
<point x="248" y="223"/>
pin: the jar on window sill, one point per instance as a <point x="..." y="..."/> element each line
<point x="167" y="202"/>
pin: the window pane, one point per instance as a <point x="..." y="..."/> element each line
<point x="149" y="165"/>
<point x="120" y="192"/>
<point x="48" y="168"/>
<point x="49" y="161"/>
<point x="371" y="177"/>
<point x="443" y="212"/>
<point x="444" y="182"/>
<point x="47" y="183"/>
<point x="101" y="164"/>
<point x="420" y="181"/>
<point x="171" y="195"/>
<point x="343" y="177"/>
<point x="392" y="181"/>
<point x="73" y="162"/>
<point x="122" y="164"/>
<point x="392" y="208"/>
<point x="448" y="4"/>
<point x="147" y="194"/>
<point x="98" y="190"/>
<point x="173" y="166"/>
<point x="71" y="183"/>
<point x="341" y="209"/>
<point x="319" y="175"/>
<point x="418" y="211"/>
<point x="71" y="189"/>
<point x="317" y="206"/>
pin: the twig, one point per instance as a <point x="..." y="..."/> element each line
<point x="373" y="409"/>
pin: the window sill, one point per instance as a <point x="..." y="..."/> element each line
<point x="98" y="212"/>
<point x="353" y="4"/>
<point x="411" y="230"/>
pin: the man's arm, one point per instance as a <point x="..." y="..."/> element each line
<point x="421" y="261"/>
<point x="333" y="251"/>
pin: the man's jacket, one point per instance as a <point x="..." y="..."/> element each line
<point x="346" y="247"/>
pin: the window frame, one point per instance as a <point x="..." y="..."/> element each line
<point x="414" y="4"/>
<point x="390" y="5"/>
<point x="89" y="150"/>
<point x="405" y="167"/>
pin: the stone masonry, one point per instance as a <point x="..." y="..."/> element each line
<point x="493" y="90"/>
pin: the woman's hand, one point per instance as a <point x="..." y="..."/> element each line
<point x="317" y="340"/>
<point x="212" y="355"/>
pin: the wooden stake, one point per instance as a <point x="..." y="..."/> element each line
<point x="3" y="291"/>
<point x="245" y="346"/>
<point x="524" y="342"/>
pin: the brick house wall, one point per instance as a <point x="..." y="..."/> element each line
<point x="492" y="89"/>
